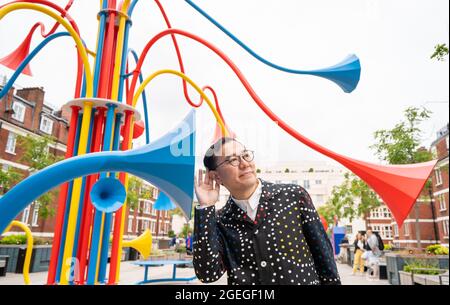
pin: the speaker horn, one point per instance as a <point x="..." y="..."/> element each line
<point x="142" y="243"/>
<point x="108" y="195"/>
<point x="155" y="163"/>
<point x="163" y="203"/>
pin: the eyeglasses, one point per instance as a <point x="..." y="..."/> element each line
<point x="246" y="155"/>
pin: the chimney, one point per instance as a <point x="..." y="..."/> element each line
<point x="36" y="95"/>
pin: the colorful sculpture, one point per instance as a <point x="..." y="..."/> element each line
<point x="97" y="159"/>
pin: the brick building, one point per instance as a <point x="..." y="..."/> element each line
<point x="144" y="216"/>
<point x="23" y="112"/>
<point x="428" y="219"/>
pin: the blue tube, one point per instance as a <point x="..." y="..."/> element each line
<point x="144" y="100"/>
<point x="95" y="241"/>
<point x="345" y="74"/>
<point x="83" y="185"/>
<point x="123" y="65"/>
<point x="66" y="211"/>
<point x="25" y="62"/>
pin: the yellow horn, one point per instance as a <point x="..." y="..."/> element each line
<point x="143" y="243"/>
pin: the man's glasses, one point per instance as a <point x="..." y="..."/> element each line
<point x="246" y="155"/>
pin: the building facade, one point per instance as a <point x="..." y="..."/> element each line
<point x="23" y="112"/>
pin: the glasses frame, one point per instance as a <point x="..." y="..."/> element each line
<point x="240" y="158"/>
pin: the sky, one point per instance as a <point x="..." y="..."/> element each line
<point x="393" y="39"/>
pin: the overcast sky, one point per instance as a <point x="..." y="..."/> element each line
<point x="393" y="39"/>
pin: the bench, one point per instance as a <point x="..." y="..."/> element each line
<point x="153" y="263"/>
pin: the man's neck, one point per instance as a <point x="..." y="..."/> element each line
<point x="245" y="194"/>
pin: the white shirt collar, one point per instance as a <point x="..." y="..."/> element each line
<point x="251" y="202"/>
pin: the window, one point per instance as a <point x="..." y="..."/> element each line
<point x="445" y="227"/>
<point x="318" y="181"/>
<point x="294" y="181"/>
<point x="146" y="207"/>
<point x="19" y="111"/>
<point x="386" y="232"/>
<point x="130" y="223"/>
<point x="386" y="213"/>
<point x="46" y="125"/>
<point x="406" y="229"/>
<point x="11" y="143"/>
<point x="395" y="229"/>
<point x="35" y="218"/>
<point x="442" y="204"/>
<point x="375" y="213"/>
<point x="26" y="214"/>
<point x="434" y="152"/>
<point x="306" y="184"/>
<point x="438" y="174"/>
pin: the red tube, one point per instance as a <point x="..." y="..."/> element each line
<point x="86" y="222"/>
<point x="117" y="219"/>
<point x="62" y="200"/>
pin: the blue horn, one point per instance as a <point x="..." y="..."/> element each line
<point x="108" y="195"/>
<point x="168" y="163"/>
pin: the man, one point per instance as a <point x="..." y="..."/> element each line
<point x="265" y="234"/>
<point x="373" y="255"/>
<point x="189" y="243"/>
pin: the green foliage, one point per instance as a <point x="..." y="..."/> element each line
<point x="388" y="247"/>
<point x="181" y="249"/>
<point x="440" y="52"/>
<point x="8" y="178"/>
<point x="38" y="156"/>
<point x="21" y="239"/>
<point x="133" y="193"/>
<point x="437" y="250"/>
<point x="258" y="171"/>
<point x="186" y="229"/>
<point x="351" y="199"/>
<point x="311" y="170"/>
<point x="176" y="211"/>
<point x="430" y="269"/>
<point x="287" y="170"/>
<point x="400" y="145"/>
<point x="171" y="233"/>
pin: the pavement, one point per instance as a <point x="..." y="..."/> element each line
<point x="130" y="274"/>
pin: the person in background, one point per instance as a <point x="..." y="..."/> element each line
<point x="360" y="245"/>
<point x="373" y="256"/>
<point x="189" y="244"/>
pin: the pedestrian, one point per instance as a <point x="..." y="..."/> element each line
<point x="358" y="262"/>
<point x="265" y="234"/>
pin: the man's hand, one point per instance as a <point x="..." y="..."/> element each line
<point x="206" y="190"/>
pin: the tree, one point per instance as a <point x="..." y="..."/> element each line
<point x="351" y="199"/>
<point x="401" y="145"/>
<point x="37" y="156"/>
<point x="8" y="178"/>
<point x="440" y="52"/>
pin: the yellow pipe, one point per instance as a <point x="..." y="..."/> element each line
<point x="124" y="208"/>
<point x="197" y="88"/>
<point x="81" y="49"/>
<point x="26" y="265"/>
<point x="76" y="191"/>
<point x="119" y="51"/>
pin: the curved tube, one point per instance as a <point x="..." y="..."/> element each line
<point x="168" y="71"/>
<point x="349" y="65"/>
<point x="25" y="62"/>
<point x="26" y="265"/>
<point x="81" y="50"/>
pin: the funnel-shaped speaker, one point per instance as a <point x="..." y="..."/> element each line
<point x="16" y="57"/>
<point x="167" y="163"/>
<point x="345" y="74"/>
<point x="108" y="195"/>
<point x="163" y="203"/>
<point x="143" y="244"/>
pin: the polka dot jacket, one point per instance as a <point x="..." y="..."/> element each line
<point x="285" y="244"/>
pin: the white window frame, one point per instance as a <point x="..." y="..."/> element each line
<point x="395" y="229"/>
<point x="318" y="181"/>
<point x="445" y="227"/>
<point x="43" y="127"/>
<point x="438" y="174"/>
<point x="11" y="143"/>
<point x="306" y="184"/>
<point x="35" y="217"/>
<point x="130" y="223"/>
<point x="406" y="230"/>
<point x="26" y="214"/>
<point x="19" y="111"/>
<point x="442" y="204"/>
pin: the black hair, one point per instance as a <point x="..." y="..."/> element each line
<point x="210" y="159"/>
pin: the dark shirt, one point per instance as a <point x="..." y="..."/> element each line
<point x="285" y="244"/>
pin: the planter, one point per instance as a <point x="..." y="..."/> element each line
<point x="40" y="257"/>
<point x="395" y="263"/>
<point x="405" y="278"/>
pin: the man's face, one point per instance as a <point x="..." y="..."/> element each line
<point x="238" y="177"/>
<point x="369" y="232"/>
